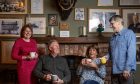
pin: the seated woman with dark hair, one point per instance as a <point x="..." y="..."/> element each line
<point x="92" y="71"/>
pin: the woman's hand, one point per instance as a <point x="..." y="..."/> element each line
<point x="86" y="61"/>
<point x="89" y="64"/>
<point x="28" y="57"/>
<point x="32" y="57"/>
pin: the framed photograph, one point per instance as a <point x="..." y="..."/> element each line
<point x="105" y="3"/>
<point x="6" y="48"/>
<point x="13" y="6"/>
<point x="101" y="16"/>
<point x="38" y="24"/>
<point x="10" y="27"/>
<point x="37" y="6"/>
<point x="64" y="26"/>
<point x="129" y="3"/>
<point x="79" y="14"/>
<point x="52" y="20"/>
<point x="132" y="19"/>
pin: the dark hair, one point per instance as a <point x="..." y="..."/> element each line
<point x="116" y="18"/>
<point x="24" y="28"/>
<point x="92" y="47"/>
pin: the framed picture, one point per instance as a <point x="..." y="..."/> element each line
<point x="101" y="16"/>
<point x="105" y="2"/>
<point x="132" y="19"/>
<point x="6" y="48"/>
<point x="13" y="6"/>
<point x="37" y="6"/>
<point x="64" y="26"/>
<point x="10" y="27"/>
<point x="38" y="24"/>
<point x="79" y="14"/>
<point x="52" y="20"/>
<point x="129" y="3"/>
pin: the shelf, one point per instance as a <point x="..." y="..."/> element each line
<point x="71" y="40"/>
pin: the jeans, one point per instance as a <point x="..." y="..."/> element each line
<point x="91" y="82"/>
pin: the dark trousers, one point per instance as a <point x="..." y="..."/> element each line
<point x="119" y="79"/>
<point x="91" y="82"/>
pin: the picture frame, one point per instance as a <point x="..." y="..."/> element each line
<point x="37" y="6"/>
<point x="38" y="24"/>
<point x="101" y="16"/>
<point x="10" y="27"/>
<point x="105" y="3"/>
<point x="79" y="14"/>
<point x="129" y="3"/>
<point x="13" y="7"/>
<point x="6" y="48"/>
<point x="64" y="26"/>
<point x="131" y="19"/>
<point x="52" y="19"/>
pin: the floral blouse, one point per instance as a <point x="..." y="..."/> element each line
<point x="90" y="74"/>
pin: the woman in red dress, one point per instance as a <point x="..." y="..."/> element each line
<point x="21" y="50"/>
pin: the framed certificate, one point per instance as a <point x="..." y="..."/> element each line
<point x="37" y="7"/>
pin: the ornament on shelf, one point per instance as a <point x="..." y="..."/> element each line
<point x="83" y="31"/>
<point x="51" y="32"/>
<point x="100" y="29"/>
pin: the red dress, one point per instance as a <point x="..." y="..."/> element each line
<point x="24" y="67"/>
